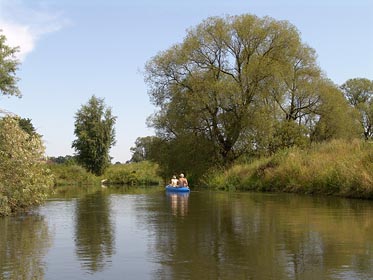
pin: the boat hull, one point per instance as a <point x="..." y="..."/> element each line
<point x="177" y="189"/>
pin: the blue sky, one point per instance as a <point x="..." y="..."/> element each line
<point x="73" y="49"/>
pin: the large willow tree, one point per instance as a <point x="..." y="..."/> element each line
<point x="232" y="80"/>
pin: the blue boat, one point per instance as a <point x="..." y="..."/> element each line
<point x="170" y="188"/>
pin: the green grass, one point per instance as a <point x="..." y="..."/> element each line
<point x="342" y="168"/>
<point x="141" y="173"/>
<point x="138" y="173"/>
<point x="72" y="175"/>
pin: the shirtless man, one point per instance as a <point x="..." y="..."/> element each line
<point x="183" y="182"/>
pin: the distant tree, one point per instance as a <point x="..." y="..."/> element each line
<point x="336" y="118"/>
<point x="359" y="93"/>
<point x="27" y="126"/>
<point x="142" y="149"/>
<point x="8" y="67"/>
<point x="24" y="179"/>
<point x="68" y="159"/>
<point x="95" y="135"/>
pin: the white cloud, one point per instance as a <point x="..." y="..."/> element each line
<point x="23" y="26"/>
<point x="19" y="35"/>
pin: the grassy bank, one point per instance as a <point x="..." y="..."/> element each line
<point x="137" y="173"/>
<point x="72" y="175"/>
<point x="142" y="173"/>
<point x="339" y="168"/>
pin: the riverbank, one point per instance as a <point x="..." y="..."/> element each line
<point x="141" y="173"/>
<point x="340" y="168"/>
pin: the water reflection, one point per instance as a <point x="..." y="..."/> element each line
<point x="179" y="203"/>
<point x="94" y="231"/>
<point x="146" y="234"/>
<point x="241" y="236"/>
<point x="24" y="241"/>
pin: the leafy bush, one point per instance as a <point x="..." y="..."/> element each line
<point x="25" y="180"/>
<point x="72" y="174"/>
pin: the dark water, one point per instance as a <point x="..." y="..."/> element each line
<point x="143" y="233"/>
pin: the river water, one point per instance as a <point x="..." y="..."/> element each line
<point x="144" y="233"/>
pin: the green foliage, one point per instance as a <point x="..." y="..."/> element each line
<point x="359" y="93"/>
<point x="27" y="125"/>
<point x="25" y="180"/>
<point x="337" y="119"/>
<point x="338" y="167"/>
<point x="224" y="72"/>
<point x="68" y="160"/>
<point x="358" y="90"/>
<point x="137" y="173"/>
<point x="288" y="134"/>
<point x="8" y="67"/>
<point x="94" y="130"/>
<point x="71" y="174"/>
<point x="190" y="154"/>
<point x="238" y="87"/>
<point x="142" y="149"/>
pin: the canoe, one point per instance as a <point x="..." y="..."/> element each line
<point x="177" y="189"/>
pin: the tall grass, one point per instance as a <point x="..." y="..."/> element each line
<point x="343" y="168"/>
<point x="137" y="173"/>
<point x="72" y="175"/>
<point x="141" y="173"/>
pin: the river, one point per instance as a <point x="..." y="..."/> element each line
<point x="144" y="233"/>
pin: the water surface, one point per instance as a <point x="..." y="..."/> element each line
<point x="144" y="233"/>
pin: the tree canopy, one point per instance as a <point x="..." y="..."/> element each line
<point x="8" y="67"/>
<point x="95" y="135"/>
<point x="244" y="84"/>
<point x="359" y="93"/>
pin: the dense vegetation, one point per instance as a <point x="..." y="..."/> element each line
<point x="24" y="179"/>
<point x="72" y="174"/>
<point x="338" y="167"/>
<point x="139" y="173"/>
<point x="239" y="88"/>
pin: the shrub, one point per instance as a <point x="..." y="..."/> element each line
<point x="137" y="173"/>
<point x="25" y="180"/>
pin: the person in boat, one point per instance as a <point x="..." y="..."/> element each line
<point x="174" y="181"/>
<point x="183" y="182"/>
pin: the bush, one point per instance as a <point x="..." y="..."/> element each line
<point x="25" y="180"/>
<point x="137" y="173"/>
<point x="72" y="175"/>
